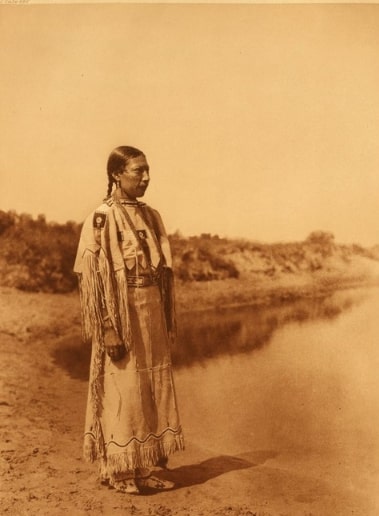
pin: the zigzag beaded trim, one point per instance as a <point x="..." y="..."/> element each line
<point x="149" y="436"/>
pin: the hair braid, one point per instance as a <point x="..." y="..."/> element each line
<point x="110" y="185"/>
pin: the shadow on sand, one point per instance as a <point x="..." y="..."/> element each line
<point x="194" y="474"/>
<point x="73" y="356"/>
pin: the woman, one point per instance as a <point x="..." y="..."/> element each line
<point x="125" y="279"/>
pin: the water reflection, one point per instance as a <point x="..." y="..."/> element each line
<point x="239" y="330"/>
<point x="205" y="335"/>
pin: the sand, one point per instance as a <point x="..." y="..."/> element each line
<point x="41" y="423"/>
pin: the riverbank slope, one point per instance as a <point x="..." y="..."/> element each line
<point x="42" y="415"/>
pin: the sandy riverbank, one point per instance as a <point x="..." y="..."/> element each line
<point x="41" y="422"/>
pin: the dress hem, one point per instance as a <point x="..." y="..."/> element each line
<point x="135" y="454"/>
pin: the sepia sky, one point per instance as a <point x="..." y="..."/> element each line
<point x="258" y="121"/>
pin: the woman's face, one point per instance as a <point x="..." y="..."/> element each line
<point x="135" y="178"/>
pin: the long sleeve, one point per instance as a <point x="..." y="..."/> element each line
<point x="87" y="268"/>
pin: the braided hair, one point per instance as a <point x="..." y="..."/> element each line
<point x="118" y="160"/>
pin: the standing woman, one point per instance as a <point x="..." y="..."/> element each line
<point x="126" y="290"/>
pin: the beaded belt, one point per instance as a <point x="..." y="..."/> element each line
<point x="142" y="281"/>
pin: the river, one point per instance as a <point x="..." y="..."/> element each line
<point x="299" y="381"/>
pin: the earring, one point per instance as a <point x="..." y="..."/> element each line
<point x="118" y="183"/>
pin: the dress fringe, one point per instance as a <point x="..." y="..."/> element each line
<point x="143" y="455"/>
<point x="107" y="288"/>
<point x="93" y="446"/>
<point x="123" y="307"/>
<point x="168" y="300"/>
<point x="96" y="387"/>
<point x="137" y="455"/>
<point x="90" y="295"/>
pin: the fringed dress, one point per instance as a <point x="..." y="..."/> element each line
<point x="124" y="268"/>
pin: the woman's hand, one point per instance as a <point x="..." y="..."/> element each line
<point x="115" y="350"/>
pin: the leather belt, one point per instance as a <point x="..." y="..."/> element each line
<point x="142" y="281"/>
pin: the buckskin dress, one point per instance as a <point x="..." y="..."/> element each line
<point x="124" y="269"/>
